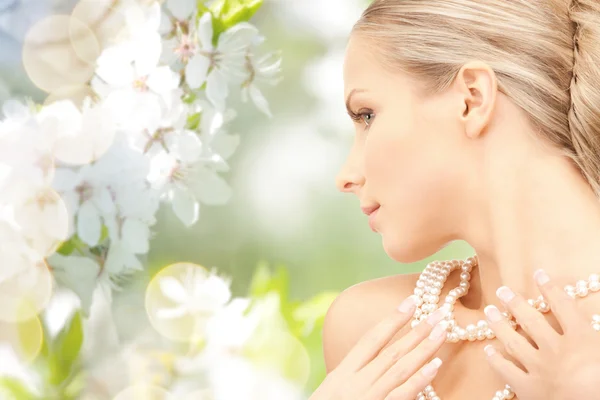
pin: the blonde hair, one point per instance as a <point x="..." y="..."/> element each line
<point x="545" y="54"/>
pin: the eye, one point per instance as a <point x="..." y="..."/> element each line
<point x="366" y="116"/>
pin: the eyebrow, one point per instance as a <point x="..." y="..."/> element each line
<point x="349" y="98"/>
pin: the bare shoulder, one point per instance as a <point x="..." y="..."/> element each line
<point x="357" y="309"/>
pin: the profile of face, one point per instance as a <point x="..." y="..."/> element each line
<point x="409" y="156"/>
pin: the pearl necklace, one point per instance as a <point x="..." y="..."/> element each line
<point x="428" y="290"/>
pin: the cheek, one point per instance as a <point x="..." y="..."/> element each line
<point x="410" y="174"/>
<point x="399" y="166"/>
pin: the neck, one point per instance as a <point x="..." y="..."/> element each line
<point x="541" y="214"/>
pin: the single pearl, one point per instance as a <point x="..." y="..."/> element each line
<point x="471" y="329"/>
<point x="581" y="288"/>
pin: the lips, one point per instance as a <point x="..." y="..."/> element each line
<point x="372" y="216"/>
<point x="371" y="212"/>
<point x="370" y="209"/>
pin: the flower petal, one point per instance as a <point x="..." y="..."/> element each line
<point x="216" y="89"/>
<point x="209" y="188"/>
<point x="172" y="289"/>
<point x="135" y="236"/>
<point x="237" y="38"/>
<point x="162" y="80"/>
<point x="181" y="9"/>
<point x="89" y="225"/>
<point x="171" y="313"/>
<point x="205" y="31"/>
<point x="196" y="71"/>
<point x="185" y="206"/>
<point x="147" y="54"/>
<point x="260" y="100"/>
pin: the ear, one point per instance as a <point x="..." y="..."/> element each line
<point x="478" y="85"/>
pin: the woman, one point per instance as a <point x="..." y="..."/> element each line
<point x="476" y="120"/>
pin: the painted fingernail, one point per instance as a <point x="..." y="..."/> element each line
<point x="541" y="277"/>
<point x="489" y="350"/>
<point x="493" y="313"/>
<point x="432" y="367"/>
<point x="438" y="315"/>
<point x="505" y="294"/>
<point x="408" y="305"/>
<point x="439" y="331"/>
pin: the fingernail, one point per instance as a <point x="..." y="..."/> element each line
<point x="438" y="331"/>
<point x="408" y="305"/>
<point x="541" y="277"/>
<point x="505" y="294"/>
<point x="438" y="315"/>
<point x="489" y="350"/>
<point x="492" y="313"/>
<point x="432" y="367"/>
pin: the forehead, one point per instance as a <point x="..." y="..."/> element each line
<point x="362" y="68"/>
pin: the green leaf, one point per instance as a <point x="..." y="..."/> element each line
<point x="104" y="233"/>
<point x="72" y="244"/>
<point x="193" y="121"/>
<point x="263" y="281"/>
<point x="231" y="12"/>
<point x="12" y="388"/>
<point x="65" y="350"/>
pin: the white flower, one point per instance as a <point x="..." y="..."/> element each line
<point x="88" y="197"/>
<point x="43" y="220"/>
<point x="81" y="137"/>
<point x="217" y="65"/>
<point x="266" y="69"/>
<point x="198" y="293"/>
<point x="133" y="86"/>
<point x="186" y="184"/>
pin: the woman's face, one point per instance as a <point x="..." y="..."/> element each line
<point x="406" y="156"/>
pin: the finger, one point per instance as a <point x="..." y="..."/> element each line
<point x="408" y="366"/>
<point x="515" y="344"/>
<point x="399" y="349"/>
<point x="416" y="383"/>
<point x="531" y="320"/>
<point x="509" y="372"/>
<point x="372" y="342"/>
<point x="562" y="305"/>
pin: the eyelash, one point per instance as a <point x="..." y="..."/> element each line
<point x="357" y="117"/>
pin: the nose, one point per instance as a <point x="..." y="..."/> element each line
<point x="349" y="179"/>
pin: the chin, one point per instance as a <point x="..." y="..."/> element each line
<point x="407" y="251"/>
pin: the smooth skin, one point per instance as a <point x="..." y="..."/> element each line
<point x="464" y="164"/>
<point x="398" y="372"/>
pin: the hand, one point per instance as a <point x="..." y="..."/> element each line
<point x="564" y="366"/>
<point x="396" y="372"/>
